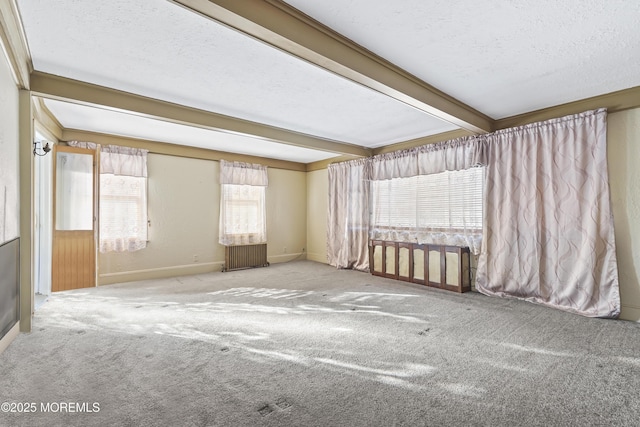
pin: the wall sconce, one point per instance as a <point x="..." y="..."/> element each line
<point x="45" y="148"/>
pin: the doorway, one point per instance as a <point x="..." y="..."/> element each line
<point x="43" y="191"/>
<point x="73" y="264"/>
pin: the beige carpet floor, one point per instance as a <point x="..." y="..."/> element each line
<point x="304" y="344"/>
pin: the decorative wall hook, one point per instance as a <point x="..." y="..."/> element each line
<point x="45" y="148"/>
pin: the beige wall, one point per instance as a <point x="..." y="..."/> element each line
<point x="624" y="173"/>
<point x="9" y="169"/>
<point x="286" y="215"/>
<point x="183" y="202"/>
<point x="9" y="172"/>
<point x="182" y="211"/>
<point x="317" y="202"/>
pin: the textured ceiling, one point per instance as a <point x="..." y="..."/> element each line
<point x="501" y="58"/>
<point x="81" y="117"/>
<point x="160" y="50"/>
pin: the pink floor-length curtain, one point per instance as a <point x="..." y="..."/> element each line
<point x="348" y="216"/>
<point x="548" y="229"/>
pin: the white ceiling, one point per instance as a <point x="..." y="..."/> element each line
<point x="501" y="58"/>
<point x="94" y="119"/>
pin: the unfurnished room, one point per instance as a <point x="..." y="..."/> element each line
<point x="319" y="213"/>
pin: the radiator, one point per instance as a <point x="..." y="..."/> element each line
<point x="245" y="256"/>
<point x="444" y="267"/>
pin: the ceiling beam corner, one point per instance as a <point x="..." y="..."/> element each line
<point x="615" y="101"/>
<point x="45" y="120"/>
<point x="284" y="27"/>
<point x="13" y="42"/>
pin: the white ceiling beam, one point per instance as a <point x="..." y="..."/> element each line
<point x="284" y="27"/>
<point x="64" y="89"/>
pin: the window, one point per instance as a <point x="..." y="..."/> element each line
<point x="243" y="207"/>
<point x="123" y="199"/>
<point x="123" y="213"/>
<point x="242" y="203"/>
<point x="443" y="208"/>
<point x="74" y="191"/>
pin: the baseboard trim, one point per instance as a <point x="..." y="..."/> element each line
<point x="189" y="269"/>
<point x="275" y="259"/>
<point x="160" y="273"/>
<point x="9" y="337"/>
<point x="322" y="258"/>
<point x="181" y="270"/>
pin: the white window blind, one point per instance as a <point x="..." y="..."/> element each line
<point x="443" y="208"/>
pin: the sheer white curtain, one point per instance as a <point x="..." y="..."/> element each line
<point x="242" y="203"/>
<point x="548" y="229"/>
<point x="348" y="216"/>
<point x="123" y="199"/>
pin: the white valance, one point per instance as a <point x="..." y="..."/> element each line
<point x="398" y="164"/>
<point x="453" y="155"/>
<point x="240" y="173"/>
<point x="83" y="144"/>
<point x="123" y="161"/>
<point x="457" y="154"/>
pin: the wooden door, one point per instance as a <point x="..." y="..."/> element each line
<point x="74" y="219"/>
